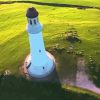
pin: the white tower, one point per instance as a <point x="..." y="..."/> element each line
<point x="41" y="64"/>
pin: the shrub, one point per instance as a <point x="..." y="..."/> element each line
<point x="80" y="53"/>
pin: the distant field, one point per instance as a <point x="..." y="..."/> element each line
<point x="77" y="2"/>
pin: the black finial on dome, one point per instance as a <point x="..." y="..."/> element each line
<point x="32" y="13"/>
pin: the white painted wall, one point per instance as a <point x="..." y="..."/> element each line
<point x="41" y="64"/>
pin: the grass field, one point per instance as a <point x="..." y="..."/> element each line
<point x="27" y="90"/>
<point x="78" y="2"/>
<point x="14" y="45"/>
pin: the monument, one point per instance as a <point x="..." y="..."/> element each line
<point x="39" y="63"/>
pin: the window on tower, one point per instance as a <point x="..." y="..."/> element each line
<point x="40" y="51"/>
<point x="34" y="21"/>
<point x="30" y="22"/>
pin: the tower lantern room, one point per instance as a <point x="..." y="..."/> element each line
<point x="32" y="16"/>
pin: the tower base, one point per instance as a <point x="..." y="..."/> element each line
<point x="42" y="71"/>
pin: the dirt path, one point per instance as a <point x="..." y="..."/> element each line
<point x="82" y="78"/>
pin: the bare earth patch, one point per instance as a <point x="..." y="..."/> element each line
<point x="82" y="77"/>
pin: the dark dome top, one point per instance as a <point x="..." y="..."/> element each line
<point x="32" y="13"/>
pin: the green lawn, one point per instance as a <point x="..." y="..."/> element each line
<point x="14" y="45"/>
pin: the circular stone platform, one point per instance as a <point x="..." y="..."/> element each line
<point x="27" y="64"/>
